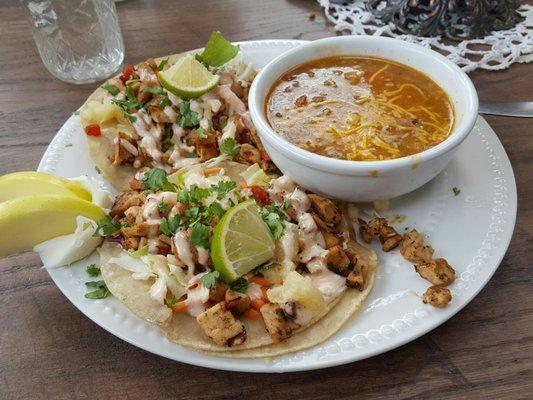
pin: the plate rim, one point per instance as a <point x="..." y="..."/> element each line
<point x="348" y="357"/>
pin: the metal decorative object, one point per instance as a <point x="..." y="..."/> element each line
<point x="455" y="19"/>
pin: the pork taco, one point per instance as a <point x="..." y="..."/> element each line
<point x="227" y="259"/>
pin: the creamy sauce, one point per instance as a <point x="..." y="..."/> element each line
<point x="183" y="248"/>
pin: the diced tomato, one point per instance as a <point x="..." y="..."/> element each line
<point x="93" y="130"/>
<point x="260" y="281"/>
<point x="127" y="72"/>
<point x="260" y="194"/>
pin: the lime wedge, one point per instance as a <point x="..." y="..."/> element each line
<point x="188" y="78"/>
<point x="241" y="241"/>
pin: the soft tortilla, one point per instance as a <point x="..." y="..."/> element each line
<point x="184" y="330"/>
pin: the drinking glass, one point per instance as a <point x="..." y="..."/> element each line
<point x="79" y="40"/>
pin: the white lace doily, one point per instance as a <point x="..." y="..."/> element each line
<point x="496" y="51"/>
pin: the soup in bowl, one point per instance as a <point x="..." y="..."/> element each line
<point x="362" y="118"/>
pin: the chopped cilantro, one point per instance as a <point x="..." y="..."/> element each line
<point x="170" y="302"/>
<point x="222" y="124"/>
<point x="208" y="280"/>
<point x="111" y="89"/>
<point x="162" y="64"/>
<point x="192" y="212"/>
<point x="163" y="102"/>
<point x="215" y="209"/>
<point x="202" y="134"/>
<point x="156" y="179"/>
<point x="187" y="118"/>
<point x="240" y="285"/>
<point x="200" y="235"/>
<point x="217" y="51"/>
<point x="456" y="191"/>
<point x="162" y="207"/>
<point x="68" y="145"/>
<point x="101" y="290"/>
<point x="230" y="147"/>
<point x="107" y="226"/>
<point x="223" y="187"/>
<point x="97" y="169"/>
<point x="92" y="270"/>
<point x="275" y="223"/>
<point x="190" y="154"/>
<point x="196" y="194"/>
<point x="183" y="197"/>
<point x="154" y="90"/>
<point x="130" y="104"/>
<point x="169" y="226"/>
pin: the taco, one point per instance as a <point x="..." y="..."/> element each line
<point x="136" y="121"/>
<point x="293" y="278"/>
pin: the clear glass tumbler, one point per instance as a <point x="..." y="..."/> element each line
<point x="79" y="40"/>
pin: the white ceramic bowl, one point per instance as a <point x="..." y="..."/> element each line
<point x="365" y="180"/>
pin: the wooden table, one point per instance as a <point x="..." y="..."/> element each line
<point x="49" y="350"/>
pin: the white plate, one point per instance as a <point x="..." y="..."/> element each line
<point x="471" y="230"/>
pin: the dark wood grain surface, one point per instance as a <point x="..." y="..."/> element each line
<point x="49" y="350"/>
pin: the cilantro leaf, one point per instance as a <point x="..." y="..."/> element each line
<point x="200" y="235"/>
<point x="111" y="89"/>
<point x="196" y="194"/>
<point x="192" y="212"/>
<point x="165" y="101"/>
<point x="166" y="139"/>
<point x="169" y="226"/>
<point x="187" y="118"/>
<point x="92" y="270"/>
<point x="162" y="207"/>
<point x="101" y="290"/>
<point x="223" y="187"/>
<point x="154" y="90"/>
<point x="240" y="285"/>
<point x="215" y="209"/>
<point x="275" y="223"/>
<point x="217" y="51"/>
<point x="229" y="146"/>
<point x="456" y="191"/>
<point x="208" y="280"/>
<point x="162" y="64"/>
<point x="156" y="179"/>
<point x="107" y="226"/>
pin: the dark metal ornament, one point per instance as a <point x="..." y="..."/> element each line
<point x="455" y="19"/>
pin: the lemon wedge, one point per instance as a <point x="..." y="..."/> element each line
<point x="188" y="78"/>
<point x="28" y="221"/>
<point x="28" y="183"/>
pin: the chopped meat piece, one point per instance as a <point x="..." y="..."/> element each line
<point x="237" y="302"/>
<point x="159" y="116"/>
<point x="146" y="72"/>
<point x="279" y="324"/>
<point x="142" y="229"/>
<point x="389" y="238"/>
<point x="142" y="95"/>
<point x="221" y="326"/>
<point x="124" y="201"/>
<point x="136" y="184"/>
<point x="356" y="278"/>
<point x="249" y="154"/>
<point x="414" y="249"/>
<point x="217" y="292"/>
<point x="326" y="209"/>
<point x="437" y="271"/>
<point x="331" y="239"/>
<point x="337" y="261"/>
<point x="133" y="214"/>
<point x="122" y="155"/>
<point x="366" y="233"/>
<point x="437" y="296"/>
<point x="206" y="147"/>
<point x="131" y="243"/>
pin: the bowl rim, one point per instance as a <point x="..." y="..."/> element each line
<point x="348" y="167"/>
